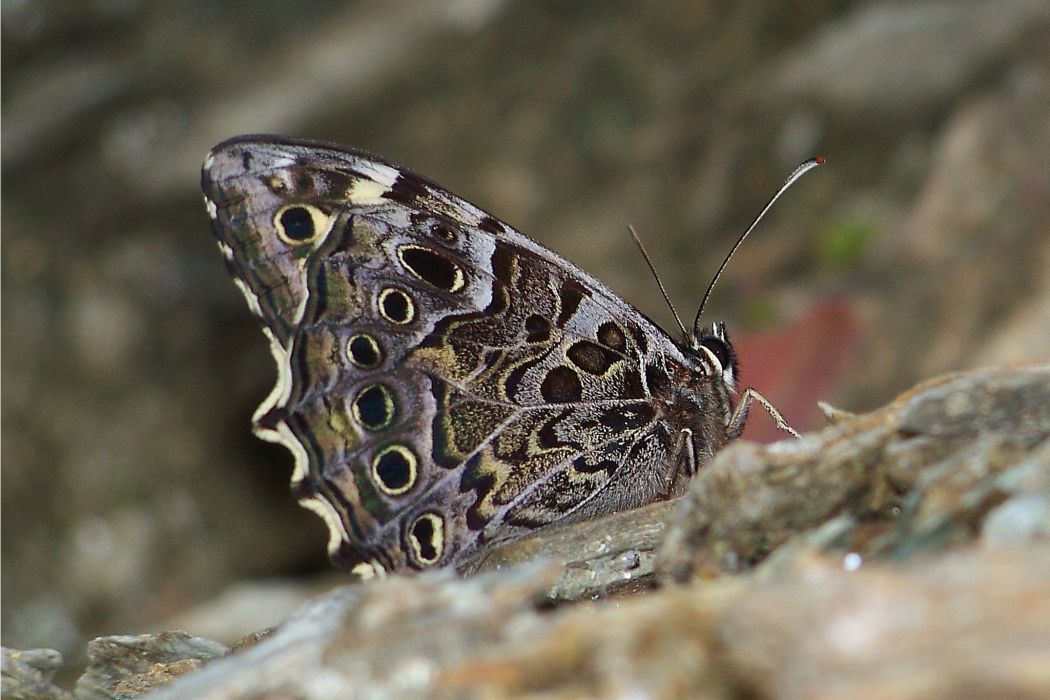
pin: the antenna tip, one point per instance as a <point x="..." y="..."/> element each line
<point x="820" y="161"/>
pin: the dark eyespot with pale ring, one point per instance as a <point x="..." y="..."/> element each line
<point x="719" y="349"/>
<point x="396" y="306"/>
<point x="426" y="538"/>
<point x="374" y="408"/>
<point x="443" y="233"/>
<point x="394" y="470"/>
<point x="432" y="267"/>
<point x="363" y="351"/>
<point x="301" y="224"/>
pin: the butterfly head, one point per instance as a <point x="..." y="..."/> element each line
<point x="712" y="346"/>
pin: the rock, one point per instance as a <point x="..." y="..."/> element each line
<point x="1018" y="521"/>
<point x="616" y="553"/>
<point x="126" y="666"/>
<point x="968" y="623"/>
<point x="937" y="628"/>
<point x="917" y="476"/>
<point x="964" y="272"/>
<point x="1024" y="335"/>
<point x="898" y="554"/>
<point x="27" y="674"/>
<point x="440" y="636"/>
<point x="246" y="606"/>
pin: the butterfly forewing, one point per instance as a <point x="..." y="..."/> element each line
<point x="445" y="382"/>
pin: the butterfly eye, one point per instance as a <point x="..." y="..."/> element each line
<point x="426" y="537"/>
<point x="720" y="349"/>
<point x="394" y="470"/>
<point x="301" y="224"/>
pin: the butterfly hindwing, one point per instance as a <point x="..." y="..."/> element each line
<point x="444" y="382"/>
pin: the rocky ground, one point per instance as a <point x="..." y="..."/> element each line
<point x="135" y="500"/>
<point x="903" y="553"/>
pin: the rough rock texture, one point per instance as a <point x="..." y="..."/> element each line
<point x="616" y="553"/>
<point x="125" y="666"/>
<point x="917" y="476"/>
<point x="26" y="675"/>
<point x="903" y="553"/>
<point x="972" y="621"/>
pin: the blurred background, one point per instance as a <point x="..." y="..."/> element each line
<point x="134" y="495"/>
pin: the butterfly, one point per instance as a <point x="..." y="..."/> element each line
<point x="445" y="383"/>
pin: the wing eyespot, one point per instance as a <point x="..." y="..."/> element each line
<point x="537" y="329"/>
<point x="374" y="408"/>
<point x="394" y="470"/>
<point x="612" y="336"/>
<point x="301" y="224"/>
<point x="396" y="306"/>
<point x="426" y="538"/>
<point x="432" y="267"/>
<point x="562" y="385"/>
<point x="591" y="357"/>
<point x="363" y="351"/>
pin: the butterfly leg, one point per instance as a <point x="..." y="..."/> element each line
<point x="739" y="417"/>
<point x="685" y="444"/>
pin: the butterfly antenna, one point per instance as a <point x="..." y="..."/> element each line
<point x="799" y="172"/>
<point x="652" y="268"/>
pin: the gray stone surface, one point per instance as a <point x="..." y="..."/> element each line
<point x="917" y="476"/>
<point x="27" y="675"/>
<point x="125" y="666"/>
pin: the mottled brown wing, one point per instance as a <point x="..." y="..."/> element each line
<point x="443" y="381"/>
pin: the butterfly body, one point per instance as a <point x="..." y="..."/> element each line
<point x="444" y="382"/>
